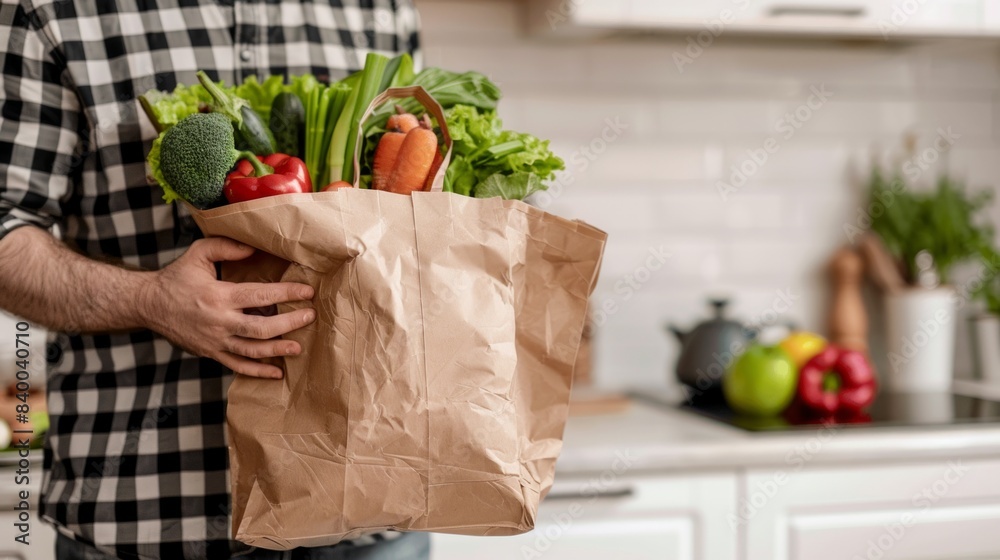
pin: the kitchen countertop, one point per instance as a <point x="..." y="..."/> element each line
<point x="659" y="438"/>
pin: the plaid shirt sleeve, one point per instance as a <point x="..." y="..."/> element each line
<point x="40" y="120"/>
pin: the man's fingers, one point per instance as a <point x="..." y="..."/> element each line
<point x="257" y="349"/>
<point x="250" y="295"/>
<point x="216" y="249"/>
<point x="245" y="366"/>
<point x="263" y="328"/>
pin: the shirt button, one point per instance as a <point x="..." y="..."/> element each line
<point x="53" y="353"/>
<point x="246" y="55"/>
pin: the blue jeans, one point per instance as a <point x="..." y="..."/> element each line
<point x="410" y="546"/>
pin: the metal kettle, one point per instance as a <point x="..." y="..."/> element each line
<point x="709" y="349"/>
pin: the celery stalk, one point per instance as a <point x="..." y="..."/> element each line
<point x="345" y="134"/>
<point x="313" y="134"/>
<point x="334" y="104"/>
<point x="338" y="143"/>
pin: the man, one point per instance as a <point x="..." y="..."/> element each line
<point x="136" y="459"/>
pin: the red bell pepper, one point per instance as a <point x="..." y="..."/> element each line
<point x="270" y="175"/>
<point x="835" y="380"/>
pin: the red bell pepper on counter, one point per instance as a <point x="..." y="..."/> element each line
<point x="835" y="380"/>
<point x="270" y="175"/>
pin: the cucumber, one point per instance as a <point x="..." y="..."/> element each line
<point x="288" y="124"/>
<point x="248" y="128"/>
<point x="253" y="136"/>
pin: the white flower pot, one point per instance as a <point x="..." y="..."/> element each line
<point x="986" y="347"/>
<point x="920" y="326"/>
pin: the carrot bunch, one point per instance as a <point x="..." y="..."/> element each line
<point x="407" y="157"/>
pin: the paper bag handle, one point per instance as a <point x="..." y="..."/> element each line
<point x="432" y="107"/>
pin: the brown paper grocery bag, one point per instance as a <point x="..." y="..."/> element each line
<point x="433" y="388"/>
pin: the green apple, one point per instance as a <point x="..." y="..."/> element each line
<point x="761" y="382"/>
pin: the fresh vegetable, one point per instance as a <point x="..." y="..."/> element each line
<point x="156" y="172"/>
<point x="262" y="95"/>
<point x="398" y="72"/>
<point x="288" y="124"/>
<point x="324" y="105"/>
<point x="386" y="155"/>
<point x="761" y="382"/>
<point x="402" y="121"/>
<point x="388" y="150"/>
<point x="345" y="134"/>
<point x="448" y="89"/>
<point x="337" y="185"/>
<point x="167" y="109"/>
<point x="482" y="148"/>
<point x="271" y="175"/>
<point x="413" y="163"/>
<point x="194" y="157"/>
<point x="318" y="123"/>
<point x="250" y="133"/>
<point x="837" y="379"/>
<point x="517" y="186"/>
<point x="802" y="346"/>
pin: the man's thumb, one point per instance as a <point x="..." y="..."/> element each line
<point x="215" y="249"/>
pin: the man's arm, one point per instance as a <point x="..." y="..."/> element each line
<point x="44" y="281"/>
<point x="42" y="136"/>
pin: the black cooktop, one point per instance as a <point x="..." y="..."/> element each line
<point x="889" y="409"/>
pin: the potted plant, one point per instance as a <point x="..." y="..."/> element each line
<point x="986" y="324"/>
<point x="928" y="233"/>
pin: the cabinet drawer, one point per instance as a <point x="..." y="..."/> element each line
<point x="657" y="538"/>
<point x="950" y="531"/>
<point x="639" y="518"/>
<point x="928" y="510"/>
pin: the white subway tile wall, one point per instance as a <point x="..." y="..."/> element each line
<point x="671" y="161"/>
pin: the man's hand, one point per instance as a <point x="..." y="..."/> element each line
<point x="194" y="310"/>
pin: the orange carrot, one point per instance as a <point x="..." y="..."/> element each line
<point x="386" y="154"/>
<point x="414" y="161"/>
<point x="402" y="121"/>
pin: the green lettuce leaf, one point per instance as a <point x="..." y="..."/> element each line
<point x="153" y="159"/>
<point x="481" y="149"/>
<point x="517" y="186"/>
<point x="451" y="88"/>
<point x="167" y="109"/>
<point x="447" y="88"/>
<point x="461" y="177"/>
<point x="260" y="95"/>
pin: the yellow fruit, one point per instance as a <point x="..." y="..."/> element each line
<point x="802" y="346"/>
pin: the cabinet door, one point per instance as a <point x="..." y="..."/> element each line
<point x="656" y="518"/>
<point x="930" y="510"/>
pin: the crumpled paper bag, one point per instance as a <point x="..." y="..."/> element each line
<point x="434" y="385"/>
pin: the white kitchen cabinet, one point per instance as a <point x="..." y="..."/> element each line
<point x="638" y="518"/>
<point x="928" y="510"/>
<point x="886" y="19"/>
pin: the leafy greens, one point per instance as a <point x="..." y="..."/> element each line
<point x="490" y="161"/>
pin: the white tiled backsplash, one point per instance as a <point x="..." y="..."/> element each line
<point x="647" y="146"/>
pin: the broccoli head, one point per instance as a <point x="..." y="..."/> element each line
<point x="195" y="156"/>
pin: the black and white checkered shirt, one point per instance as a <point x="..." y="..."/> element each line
<point x="136" y="460"/>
